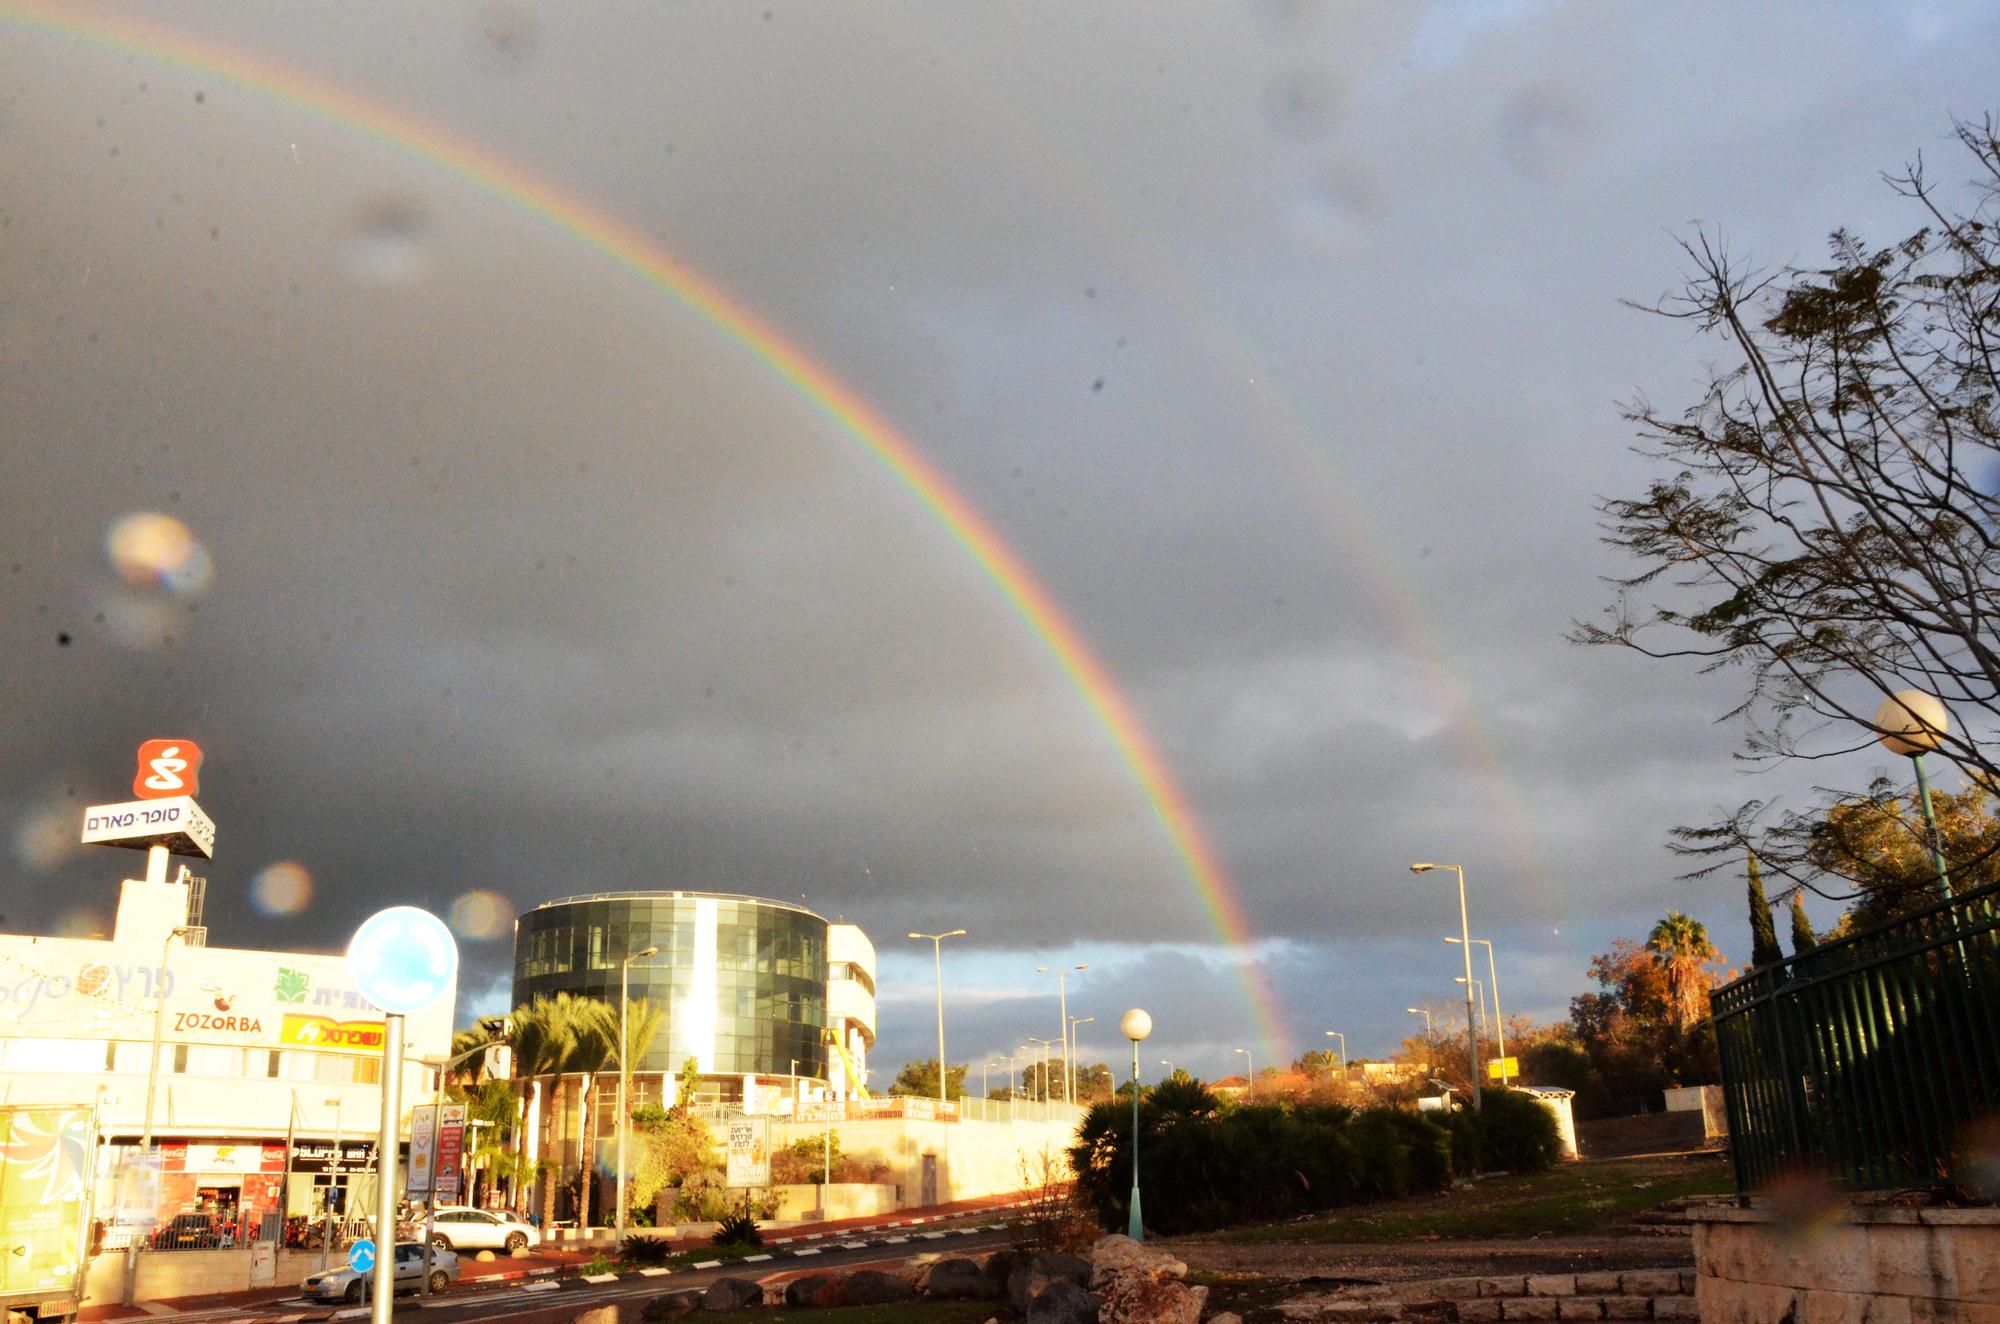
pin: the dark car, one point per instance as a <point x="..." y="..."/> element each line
<point x="193" y="1232"/>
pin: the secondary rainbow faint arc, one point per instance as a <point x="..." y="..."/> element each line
<point x="633" y="250"/>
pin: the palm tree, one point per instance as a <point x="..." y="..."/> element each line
<point x="643" y="1023"/>
<point x="544" y="1034"/>
<point x="1681" y="949"/>
<point x="596" y="1046"/>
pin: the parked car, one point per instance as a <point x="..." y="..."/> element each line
<point x="461" y="1227"/>
<point x="194" y="1232"/>
<point x="344" y="1284"/>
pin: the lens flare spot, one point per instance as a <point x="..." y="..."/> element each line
<point x="1806" y="1208"/>
<point x="151" y="550"/>
<point x="282" y="888"/>
<point x="390" y="244"/>
<point x="482" y="916"/>
<point x="45" y="837"/>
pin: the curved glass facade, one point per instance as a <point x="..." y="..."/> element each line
<point x="742" y="981"/>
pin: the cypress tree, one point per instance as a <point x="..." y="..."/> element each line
<point x="1803" y="940"/>
<point x="1764" y="947"/>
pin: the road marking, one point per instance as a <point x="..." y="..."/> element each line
<point x="600" y="1277"/>
<point x="895" y="1241"/>
<point x="654" y="1273"/>
<point x="753" y="1259"/>
<point x="854" y="1245"/>
<point x="709" y="1264"/>
<point x="931" y="1236"/>
<point x="966" y="1231"/>
<point x="540" y="1287"/>
<point x="355" y="1313"/>
<point x="783" y="1241"/>
<point x="809" y="1250"/>
<point x="872" y="1227"/>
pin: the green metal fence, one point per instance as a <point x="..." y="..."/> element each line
<point x="1873" y="1060"/>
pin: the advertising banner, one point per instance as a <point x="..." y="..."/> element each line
<point x="137" y="1200"/>
<point x="316" y="1156"/>
<point x="749" y="1153"/>
<point x="423" y="1152"/>
<point x="450" y="1152"/>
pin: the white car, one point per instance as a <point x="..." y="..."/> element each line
<point x="459" y="1227"/>
<point x="345" y="1284"/>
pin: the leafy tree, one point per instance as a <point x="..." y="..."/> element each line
<point x="1094" y="1082"/>
<point x="920" y="1080"/>
<point x="668" y="1148"/>
<point x="1764" y="949"/>
<point x="1681" y="949"/>
<point x="684" y="1088"/>
<point x="1633" y="1032"/>
<point x="1316" y="1062"/>
<point x="1878" y="844"/>
<point x="1803" y="940"/>
<point x="1825" y="522"/>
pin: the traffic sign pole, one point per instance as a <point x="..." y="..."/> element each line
<point x="385" y="1169"/>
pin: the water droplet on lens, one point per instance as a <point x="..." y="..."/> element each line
<point x="504" y="40"/>
<point x="390" y="244"/>
<point x="1302" y="103"/>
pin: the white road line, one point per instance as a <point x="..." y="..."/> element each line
<point x="654" y="1273"/>
<point x="355" y="1313"/>
<point x="753" y="1259"/>
<point x="709" y="1264"/>
<point x="814" y="1236"/>
<point x="809" y="1250"/>
<point x="783" y="1241"/>
<point x="966" y="1231"/>
<point x="600" y="1277"/>
<point x="896" y="1241"/>
<point x="854" y="1245"/>
<point x="931" y="1236"/>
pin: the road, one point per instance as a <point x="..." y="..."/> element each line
<point x="538" y="1300"/>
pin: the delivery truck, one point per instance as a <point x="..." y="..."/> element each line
<point x="48" y="1158"/>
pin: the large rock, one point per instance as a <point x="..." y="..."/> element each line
<point x="1133" y="1298"/>
<point x="817" y="1291"/>
<point x="598" y="1315"/>
<point x="873" y="1287"/>
<point x="732" y="1294"/>
<point x="1118" y="1256"/>
<point x="994" y="1271"/>
<point x="1055" y="1264"/>
<point x="952" y="1279"/>
<point x="1062" y="1302"/>
<point x="1028" y="1279"/>
<point x="671" y="1305"/>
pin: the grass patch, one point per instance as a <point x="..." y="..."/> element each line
<point x="682" y="1259"/>
<point x="1568" y="1199"/>
<point x="902" y="1312"/>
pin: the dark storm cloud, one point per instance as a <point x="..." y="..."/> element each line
<point x="1282" y="342"/>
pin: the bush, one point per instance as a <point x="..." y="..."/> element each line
<point x="738" y="1230"/>
<point x="1204" y="1166"/>
<point x="645" y="1251"/>
<point x="1510" y="1133"/>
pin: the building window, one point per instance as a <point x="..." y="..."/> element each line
<point x="180" y="1059"/>
<point x="367" y="1071"/>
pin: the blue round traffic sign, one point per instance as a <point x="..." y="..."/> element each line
<point x="361" y="1256"/>
<point x="403" y="959"/>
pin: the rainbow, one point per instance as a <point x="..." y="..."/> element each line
<point x="628" y="248"/>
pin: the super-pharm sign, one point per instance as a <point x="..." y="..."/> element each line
<point x="323" y="1032"/>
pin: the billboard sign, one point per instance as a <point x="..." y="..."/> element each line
<point x="166" y="768"/>
<point x="749" y="1161"/>
<point x="423" y="1152"/>
<point x="175" y="822"/>
<point x="450" y="1152"/>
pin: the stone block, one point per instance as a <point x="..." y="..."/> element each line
<point x="728" y="1294"/>
<point x="1628" y="1307"/>
<point x="1650" y="1282"/>
<point x="1481" y="1311"/>
<point x="994" y="1271"/>
<point x="875" y="1287"/>
<point x="1675" y="1307"/>
<point x="1062" y="1302"/>
<point x="1902" y="1264"/>
<point x="598" y="1315"/>
<point x="953" y="1278"/>
<point x="1117" y="1255"/>
<point x="817" y="1291"/>
<point x="1687" y="1282"/>
<point x="1954" y="1312"/>
<point x="1134" y="1298"/>
<point x="1503" y="1287"/>
<point x="1580" y="1307"/>
<point x="1551" y="1284"/>
<point x="1598" y="1284"/>
<point x="671" y="1305"/>
<point x="1527" y="1307"/>
<point x="1975" y="1254"/>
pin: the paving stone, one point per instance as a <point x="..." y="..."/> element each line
<point x="1528" y="1307"/>
<point x="1597" y="1284"/>
<point x="1580" y="1307"/>
<point x="1650" y="1282"/>
<point x="1628" y="1307"/>
<point x="1479" y="1312"/>
<point x="1552" y="1284"/>
<point x="1674" y="1307"/>
<point x="1503" y="1286"/>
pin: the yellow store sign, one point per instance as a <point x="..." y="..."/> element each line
<point x="329" y="1035"/>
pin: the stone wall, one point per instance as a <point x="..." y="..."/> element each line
<point x="1850" y="1266"/>
<point x="968" y="1159"/>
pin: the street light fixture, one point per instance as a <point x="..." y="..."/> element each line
<point x="625" y="1074"/>
<point x="1170" y="1069"/>
<point x="1430" y="1045"/>
<point x="1136" y="1025"/>
<point x="1062" y="997"/>
<point x="1075" y="1021"/>
<point x="1499" y="1018"/>
<point x="1911" y="723"/>
<point x="1479" y="996"/>
<point x="1249" y="1068"/>
<point x="1335" y="1034"/>
<point x="1465" y="934"/>
<point x="936" y="940"/>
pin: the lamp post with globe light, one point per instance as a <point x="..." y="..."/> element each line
<point x="1465" y="946"/>
<point x="1137" y="1025"/>
<point x="1911" y="723"/>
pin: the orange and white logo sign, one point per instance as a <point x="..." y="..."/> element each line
<point x="325" y="1032"/>
<point x="167" y="767"/>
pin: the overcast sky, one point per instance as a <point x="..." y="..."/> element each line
<point x="1282" y="342"/>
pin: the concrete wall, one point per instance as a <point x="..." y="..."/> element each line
<point x="843" y="1200"/>
<point x="165" y="1275"/>
<point x="1859" y="1266"/>
<point x="972" y="1159"/>
<point x="1703" y="1099"/>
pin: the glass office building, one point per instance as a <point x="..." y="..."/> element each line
<point x="742" y="980"/>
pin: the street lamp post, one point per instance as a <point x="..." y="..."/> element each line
<point x="1465" y="936"/>
<point x="1479" y="996"/>
<point x="1499" y="1017"/>
<point x="1249" y="1068"/>
<point x="1170" y="1069"/>
<point x="1136" y="1025"/>
<point x="1911" y="723"/>
<point x="1430" y="1045"/>
<point x="1336" y="1034"/>
<point x="936" y="940"/>
<point x="1062" y="1000"/>
<point x="625" y="1075"/>
<point x="1045" y="1045"/>
<point x="332" y="1185"/>
<point x="1075" y="1021"/>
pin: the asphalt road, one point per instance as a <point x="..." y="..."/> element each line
<point x="541" y="1300"/>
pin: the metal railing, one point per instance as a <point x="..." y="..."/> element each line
<point x="1870" y="1060"/>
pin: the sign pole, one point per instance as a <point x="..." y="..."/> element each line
<point x="385" y="1169"/>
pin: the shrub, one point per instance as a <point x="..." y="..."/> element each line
<point x="1204" y="1166"/>
<point x="645" y="1251"/>
<point x="1510" y="1133"/>
<point x="737" y="1229"/>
